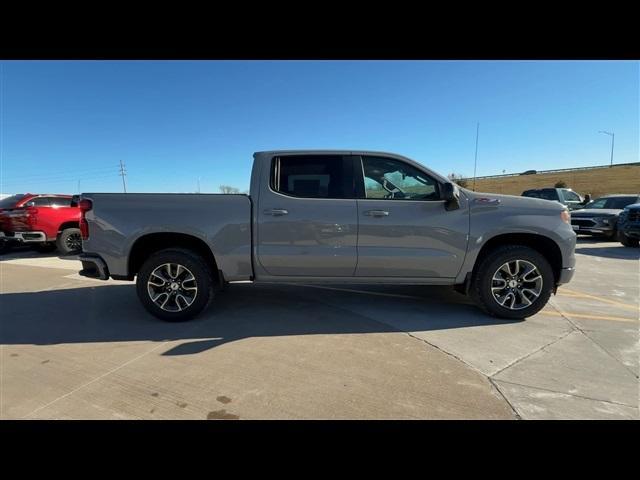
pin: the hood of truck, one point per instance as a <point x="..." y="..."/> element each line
<point x="513" y="201"/>
<point x="595" y="212"/>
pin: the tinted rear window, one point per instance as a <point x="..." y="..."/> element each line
<point x="11" y="201"/>
<point x="313" y="176"/>
<point x="544" y="194"/>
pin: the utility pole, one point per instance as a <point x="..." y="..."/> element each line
<point x="199" y="184"/>
<point x="475" y="162"/>
<point x="123" y="174"/>
<point x="613" y="137"/>
<point x="79" y="191"/>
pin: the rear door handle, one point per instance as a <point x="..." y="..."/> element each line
<point x="276" y="212"/>
<point x="376" y="213"/>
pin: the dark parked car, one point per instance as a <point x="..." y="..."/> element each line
<point x="565" y="196"/>
<point x="600" y="217"/>
<point x="629" y="225"/>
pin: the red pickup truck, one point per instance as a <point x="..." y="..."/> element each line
<point x="47" y="221"/>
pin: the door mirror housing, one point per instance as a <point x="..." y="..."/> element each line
<point x="451" y="195"/>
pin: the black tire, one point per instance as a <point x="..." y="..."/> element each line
<point x="5" y="246"/>
<point x="45" y="247"/>
<point x="69" y="241"/>
<point x="628" y="241"/>
<point x="203" y="278"/>
<point x="482" y="281"/>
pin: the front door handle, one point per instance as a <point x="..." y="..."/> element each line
<point x="276" y="212"/>
<point x="376" y="213"/>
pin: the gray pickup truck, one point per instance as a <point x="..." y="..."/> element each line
<point x="330" y="217"/>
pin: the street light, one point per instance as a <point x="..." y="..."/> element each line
<point x="613" y="137"/>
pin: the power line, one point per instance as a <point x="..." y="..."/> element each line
<point x="123" y="174"/>
<point x="64" y="173"/>
<point x="71" y="178"/>
<point x="475" y="162"/>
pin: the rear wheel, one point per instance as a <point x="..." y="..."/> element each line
<point x="69" y="241"/>
<point x="512" y="282"/>
<point x="175" y="285"/>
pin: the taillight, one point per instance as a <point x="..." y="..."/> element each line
<point x="565" y="216"/>
<point x="84" y="205"/>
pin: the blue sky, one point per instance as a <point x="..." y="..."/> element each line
<point x="171" y="122"/>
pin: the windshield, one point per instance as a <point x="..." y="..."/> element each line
<point x="616" y="203"/>
<point x="11" y="201"/>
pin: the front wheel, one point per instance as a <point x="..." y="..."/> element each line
<point x="175" y="285"/>
<point x="628" y="241"/>
<point x="512" y="282"/>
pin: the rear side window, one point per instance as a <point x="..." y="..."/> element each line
<point x="313" y="176"/>
<point x="620" y="202"/>
<point x="10" y="202"/>
<point x="545" y="194"/>
<point x="60" y="202"/>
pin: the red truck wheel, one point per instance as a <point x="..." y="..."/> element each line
<point x="69" y="241"/>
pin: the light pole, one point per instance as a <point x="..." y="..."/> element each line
<point x="613" y="137"/>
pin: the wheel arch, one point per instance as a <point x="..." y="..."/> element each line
<point x="71" y="224"/>
<point x="544" y="245"/>
<point x="150" y="243"/>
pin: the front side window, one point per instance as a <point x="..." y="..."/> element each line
<point x="597" y="203"/>
<point x="571" y="196"/>
<point x="313" y="176"/>
<point x="390" y="179"/>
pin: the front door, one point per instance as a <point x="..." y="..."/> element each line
<point x="307" y="223"/>
<point x="404" y="228"/>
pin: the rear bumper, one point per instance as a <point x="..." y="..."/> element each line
<point x="23" y="237"/>
<point x="93" y="267"/>
<point x="566" y="274"/>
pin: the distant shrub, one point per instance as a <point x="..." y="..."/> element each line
<point x="458" y="179"/>
<point x="560" y="184"/>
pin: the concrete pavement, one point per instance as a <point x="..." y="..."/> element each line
<point x="80" y="348"/>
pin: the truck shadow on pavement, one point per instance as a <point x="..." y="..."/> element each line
<point x="112" y="313"/>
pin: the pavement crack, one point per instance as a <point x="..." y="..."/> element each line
<point x="570" y="394"/>
<point x="567" y="317"/>
<point x="515" y="412"/>
<point x="518" y="360"/>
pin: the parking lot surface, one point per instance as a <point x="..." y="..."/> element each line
<point x="76" y="348"/>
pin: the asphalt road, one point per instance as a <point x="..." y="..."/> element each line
<point x="75" y="348"/>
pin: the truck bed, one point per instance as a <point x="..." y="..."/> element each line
<point x="222" y="221"/>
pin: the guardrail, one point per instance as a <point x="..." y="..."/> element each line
<point x="504" y="175"/>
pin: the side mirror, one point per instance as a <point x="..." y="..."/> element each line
<point x="451" y="195"/>
<point x="587" y="199"/>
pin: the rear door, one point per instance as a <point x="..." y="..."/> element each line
<point x="404" y="229"/>
<point x="307" y="222"/>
